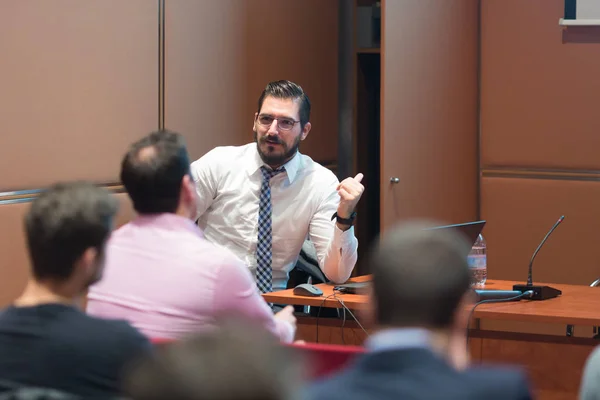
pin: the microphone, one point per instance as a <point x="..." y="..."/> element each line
<point x="540" y="292"/>
<point x="500" y="295"/>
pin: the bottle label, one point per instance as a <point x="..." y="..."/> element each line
<point x="477" y="261"/>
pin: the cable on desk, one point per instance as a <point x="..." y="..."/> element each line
<point x="524" y="294"/>
<point x="319" y="312"/>
<point x="345" y="308"/>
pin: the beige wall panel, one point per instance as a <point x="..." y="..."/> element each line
<point x="205" y="66"/>
<point x="80" y="82"/>
<point x="14" y="261"/>
<point x="296" y="40"/>
<point x="519" y="212"/>
<point x="540" y="96"/>
<point x="429" y="107"/>
<point x="126" y="212"/>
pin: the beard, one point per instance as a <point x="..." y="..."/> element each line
<point x="271" y="158"/>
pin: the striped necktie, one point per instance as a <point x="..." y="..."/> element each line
<point x="264" y="255"/>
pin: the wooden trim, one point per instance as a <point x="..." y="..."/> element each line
<point x="355" y="5"/>
<point x="479" y="131"/>
<point x="161" y="64"/>
<point x="383" y="173"/>
<point x="373" y="50"/>
<point x="346" y="83"/>
<point x="535" y="173"/>
<point x="21" y="196"/>
<point x="531" y="337"/>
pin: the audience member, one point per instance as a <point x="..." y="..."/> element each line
<point x="419" y="304"/>
<point x="46" y="342"/>
<point x="162" y="275"/>
<point x="236" y="362"/>
<point x="263" y="199"/>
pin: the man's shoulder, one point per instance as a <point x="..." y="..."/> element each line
<point x="490" y="383"/>
<point x="115" y="327"/>
<point x="113" y="334"/>
<point x="70" y="322"/>
<point x="498" y="381"/>
<point x="225" y="154"/>
<point x="316" y="171"/>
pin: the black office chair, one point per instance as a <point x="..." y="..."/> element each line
<point x="596" y="331"/>
<point x="307" y="270"/>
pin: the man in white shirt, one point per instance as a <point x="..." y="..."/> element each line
<point x="263" y="199"/>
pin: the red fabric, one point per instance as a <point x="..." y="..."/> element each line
<point x="325" y="359"/>
<point x="159" y="341"/>
<point x="322" y="359"/>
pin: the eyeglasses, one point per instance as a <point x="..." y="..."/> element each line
<point x="285" y="124"/>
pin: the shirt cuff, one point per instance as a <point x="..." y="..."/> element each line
<point x="343" y="239"/>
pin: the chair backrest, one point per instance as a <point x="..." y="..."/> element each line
<point x="160" y="341"/>
<point x="325" y="359"/>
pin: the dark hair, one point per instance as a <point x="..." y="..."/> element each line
<point x="236" y="361"/>
<point x="63" y="222"/>
<point x="419" y="276"/>
<point x="287" y="90"/>
<point x="152" y="171"/>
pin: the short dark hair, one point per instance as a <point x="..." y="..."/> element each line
<point x="153" y="180"/>
<point x="287" y="90"/>
<point x="63" y="222"/>
<point x="419" y="275"/>
<point x="235" y="361"/>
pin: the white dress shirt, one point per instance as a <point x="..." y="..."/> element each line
<point x="304" y="198"/>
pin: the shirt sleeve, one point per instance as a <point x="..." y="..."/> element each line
<point x="337" y="250"/>
<point x="590" y="381"/>
<point x="205" y="181"/>
<point x="236" y="294"/>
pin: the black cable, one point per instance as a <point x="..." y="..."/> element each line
<point x="354" y="317"/>
<point x="342" y="327"/>
<point x="527" y="293"/>
<point x="319" y="313"/>
<point x="345" y="308"/>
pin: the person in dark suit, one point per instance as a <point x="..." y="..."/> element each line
<point x="419" y="306"/>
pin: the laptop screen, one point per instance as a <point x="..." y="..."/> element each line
<point x="470" y="229"/>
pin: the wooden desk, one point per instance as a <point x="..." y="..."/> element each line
<point x="554" y="362"/>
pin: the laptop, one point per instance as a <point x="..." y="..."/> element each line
<point x="469" y="229"/>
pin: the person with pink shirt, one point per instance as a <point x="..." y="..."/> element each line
<point x="161" y="274"/>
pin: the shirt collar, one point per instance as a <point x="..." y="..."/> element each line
<point x="169" y="220"/>
<point x="398" y="338"/>
<point x="291" y="167"/>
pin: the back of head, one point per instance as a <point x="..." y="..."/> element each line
<point x="152" y="172"/>
<point x="419" y="276"/>
<point x="237" y="362"/>
<point x="284" y="89"/>
<point x="63" y="222"/>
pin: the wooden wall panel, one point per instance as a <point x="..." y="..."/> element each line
<point x="553" y="365"/>
<point x="429" y="110"/>
<point x="519" y="212"/>
<point x="14" y="261"/>
<point x="281" y="45"/>
<point x="539" y="95"/>
<point x="80" y="80"/>
<point x="220" y="55"/>
<point x="205" y="67"/>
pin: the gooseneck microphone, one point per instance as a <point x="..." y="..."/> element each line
<point x="529" y="274"/>
<point x="540" y="292"/>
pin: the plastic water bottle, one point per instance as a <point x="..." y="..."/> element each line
<point x="478" y="262"/>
